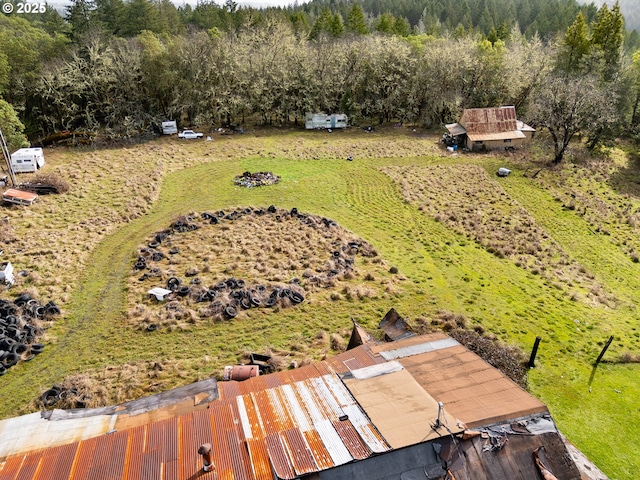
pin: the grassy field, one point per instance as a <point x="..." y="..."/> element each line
<point x="553" y="255"/>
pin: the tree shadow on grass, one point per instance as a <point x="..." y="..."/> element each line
<point x="626" y="181"/>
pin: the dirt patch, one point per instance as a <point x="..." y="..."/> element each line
<point x="218" y="265"/>
<point x="484" y="212"/>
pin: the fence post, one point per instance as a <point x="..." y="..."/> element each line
<point x="604" y="349"/>
<point x="534" y="352"/>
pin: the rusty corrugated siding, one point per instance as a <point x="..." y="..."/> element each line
<point x="286" y="423"/>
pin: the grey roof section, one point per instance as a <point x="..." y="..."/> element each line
<point x="406" y="463"/>
<point x="418" y="349"/>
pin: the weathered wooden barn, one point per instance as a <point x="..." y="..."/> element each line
<point x="490" y="129"/>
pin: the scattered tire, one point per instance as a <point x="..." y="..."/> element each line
<point x="296" y="298"/>
<point x="173" y="284"/>
<point x="183" y="291"/>
<point x="230" y="312"/>
<point x="152" y="327"/>
<point x="37" y="348"/>
<point x="270" y="302"/>
<point x="2" y="370"/>
<point x="50" y="397"/>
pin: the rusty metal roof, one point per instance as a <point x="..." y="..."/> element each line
<point x="471" y="389"/>
<point x="298" y="421"/>
<point x="489" y="120"/>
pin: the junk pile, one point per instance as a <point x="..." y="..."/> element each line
<point x="18" y="329"/>
<point x="62" y="397"/>
<point x="258" y="179"/>
<point x="225" y="298"/>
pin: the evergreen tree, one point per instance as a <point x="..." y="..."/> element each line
<point x="356" y="22"/>
<point x="80" y="16"/>
<point x="608" y="36"/>
<point x="575" y="46"/>
<point x="336" y="27"/>
<point x="401" y="27"/>
<point x="385" y="23"/>
<point x="322" y="24"/>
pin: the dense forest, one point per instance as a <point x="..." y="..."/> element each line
<point x="121" y="67"/>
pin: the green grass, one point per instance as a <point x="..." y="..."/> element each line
<point x="445" y="270"/>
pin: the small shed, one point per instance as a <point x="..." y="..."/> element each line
<point x="490" y="129"/>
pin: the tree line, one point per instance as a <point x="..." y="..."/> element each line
<point x="273" y="69"/>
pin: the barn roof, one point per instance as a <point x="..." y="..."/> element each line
<point x="349" y="411"/>
<point x="484" y="124"/>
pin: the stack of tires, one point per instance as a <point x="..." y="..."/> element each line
<point x="19" y="330"/>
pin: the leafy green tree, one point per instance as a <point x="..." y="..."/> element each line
<point x="356" y="21"/>
<point x="12" y="127"/>
<point x="570" y="106"/>
<point x="634" y="90"/>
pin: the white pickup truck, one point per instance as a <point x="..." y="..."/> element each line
<point x="190" y="134"/>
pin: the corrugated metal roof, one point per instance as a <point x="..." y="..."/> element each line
<point x="290" y="423"/>
<point x="484" y="121"/>
<point x="511" y="134"/>
<point x="455" y="129"/>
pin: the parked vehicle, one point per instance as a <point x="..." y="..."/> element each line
<point x="27" y="160"/>
<point x="186" y="134"/>
<point x="318" y="121"/>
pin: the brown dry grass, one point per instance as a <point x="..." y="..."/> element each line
<point x="484" y="212"/>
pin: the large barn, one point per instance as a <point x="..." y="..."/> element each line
<point x="421" y="407"/>
<point x="490" y="129"/>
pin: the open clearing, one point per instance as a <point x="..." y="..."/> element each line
<point x="555" y="256"/>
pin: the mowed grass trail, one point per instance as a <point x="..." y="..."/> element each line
<point x="441" y="268"/>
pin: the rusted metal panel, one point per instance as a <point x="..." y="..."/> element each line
<point x="116" y="462"/>
<point x="171" y="450"/>
<point x="321" y="456"/>
<point x="11" y="467"/>
<point x="29" y="468"/>
<point x="188" y="447"/>
<point x="279" y="457"/>
<point x="152" y="464"/>
<point x="299" y="452"/>
<point x="351" y="440"/>
<point x="137" y="441"/>
<point x="57" y="462"/>
<point x="333" y="442"/>
<point x="222" y="419"/>
<point x="259" y="459"/>
<point x="84" y="459"/>
<point x="239" y="457"/>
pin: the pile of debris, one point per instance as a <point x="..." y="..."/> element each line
<point x="258" y="179"/>
<point x="45" y="184"/>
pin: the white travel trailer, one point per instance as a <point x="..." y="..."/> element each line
<point x="315" y="121"/>
<point x="169" y="127"/>
<point x="27" y="160"/>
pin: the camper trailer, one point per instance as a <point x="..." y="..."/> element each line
<point x="317" y="121"/>
<point x="27" y="160"/>
<point x="170" y="127"/>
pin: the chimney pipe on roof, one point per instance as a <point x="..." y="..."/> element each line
<point x="207" y="455"/>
